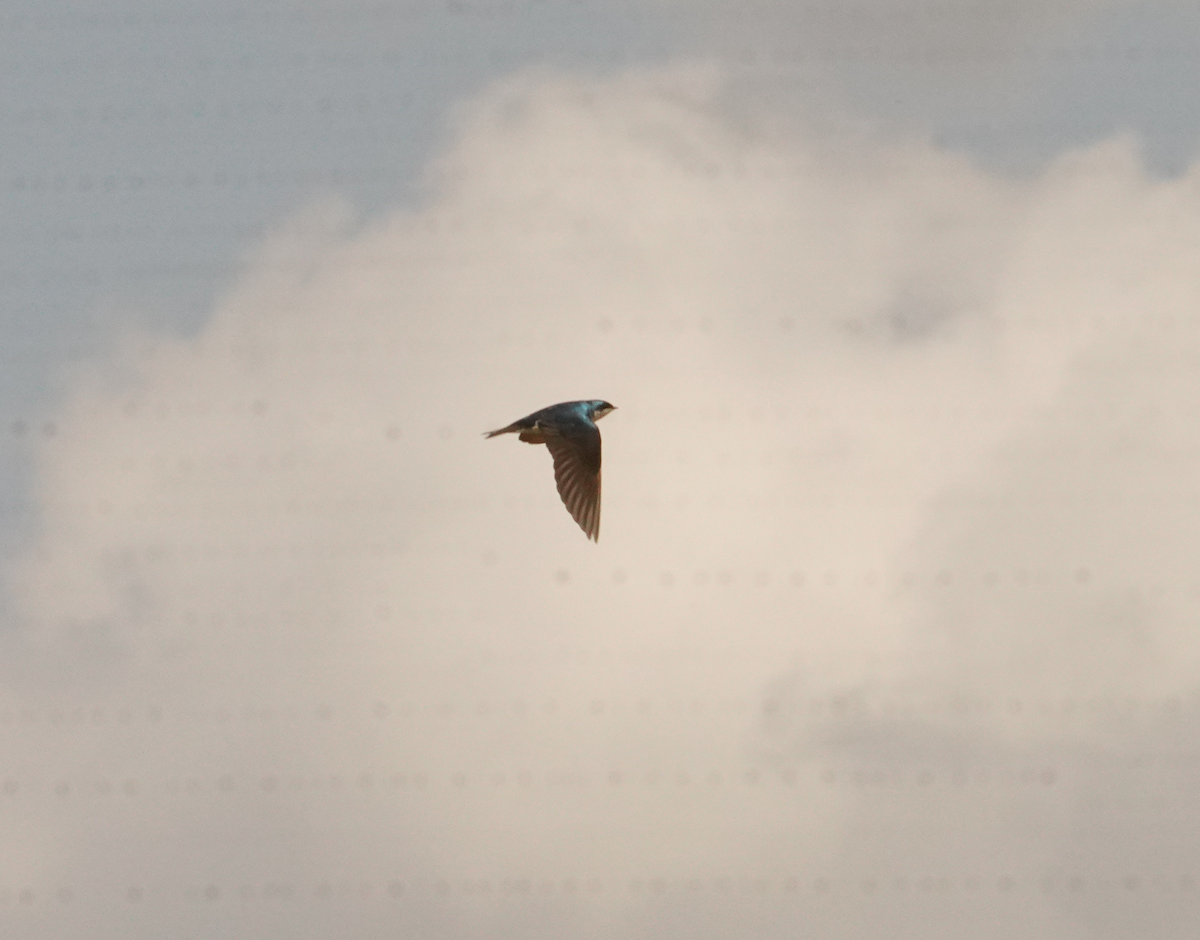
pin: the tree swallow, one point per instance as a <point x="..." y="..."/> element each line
<point x="569" y="430"/>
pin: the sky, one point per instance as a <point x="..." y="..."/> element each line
<point x="889" y="629"/>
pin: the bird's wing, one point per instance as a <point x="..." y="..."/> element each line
<point x="576" y="452"/>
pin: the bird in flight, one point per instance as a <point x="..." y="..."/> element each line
<point x="569" y="430"/>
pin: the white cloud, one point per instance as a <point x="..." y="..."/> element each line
<point x="897" y="519"/>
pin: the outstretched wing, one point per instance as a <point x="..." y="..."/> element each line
<point x="576" y="452"/>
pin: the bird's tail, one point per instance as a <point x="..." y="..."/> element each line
<point x="530" y="435"/>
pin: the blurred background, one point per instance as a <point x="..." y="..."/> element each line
<point x="890" y="630"/>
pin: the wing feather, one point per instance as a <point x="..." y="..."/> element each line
<point x="576" y="456"/>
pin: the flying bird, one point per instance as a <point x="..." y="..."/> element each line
<point x="569" y="430"/>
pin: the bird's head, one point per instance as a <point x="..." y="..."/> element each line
<point x="599" y="409"/>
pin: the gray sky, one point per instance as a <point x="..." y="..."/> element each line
<point x="890" y="631"/>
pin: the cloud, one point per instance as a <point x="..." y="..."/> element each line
<point x="888" y="624"/>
